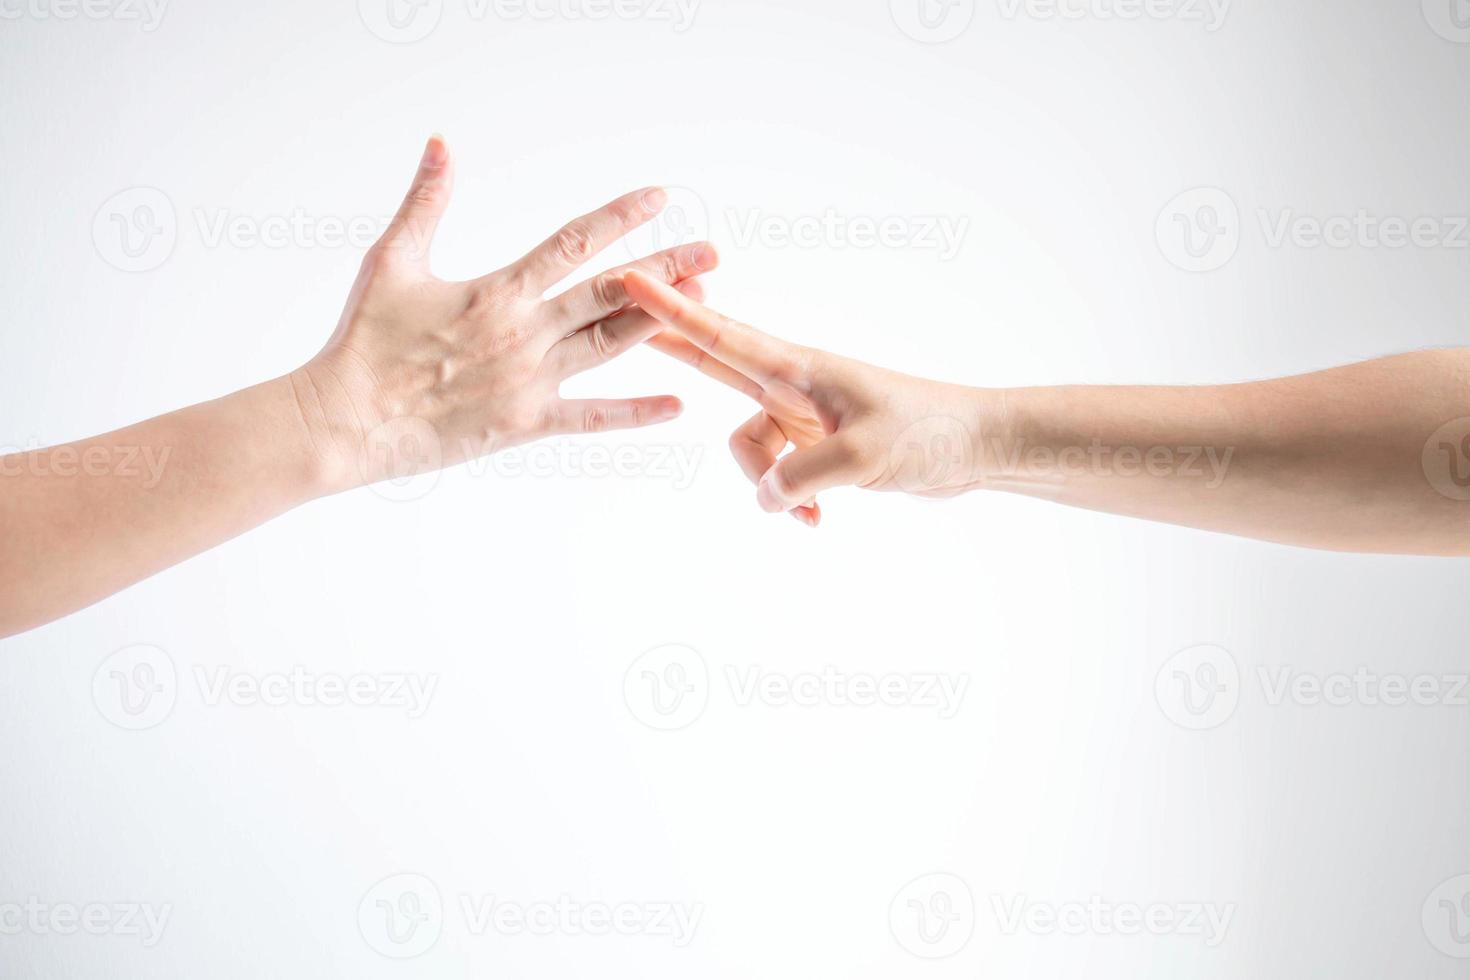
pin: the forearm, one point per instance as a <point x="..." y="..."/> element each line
<point x="78" y="522"/>
<point x="1334" y="459"/>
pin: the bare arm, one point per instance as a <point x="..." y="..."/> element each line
<point x="419" y="373"/>
<point x="1370" y="457"/>
<point x="84" y="520"/>
<point x="1358" y="458"/>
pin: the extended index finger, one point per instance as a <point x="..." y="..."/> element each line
<point x="758" y="356"/>
<point x="579" y="240"/>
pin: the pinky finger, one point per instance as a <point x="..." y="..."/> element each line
<point x="589" y="415"/>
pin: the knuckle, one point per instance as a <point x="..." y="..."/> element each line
<point x="423" y="195"/>
<point x="574" y="243"/>
<point x="595" y="419"/>
<point x="624" y="213"/>
<point x="780" y="482"/>
<point x="670" y="265"/>
<point x="608" y="292"/>
<point x="602" y="341"/>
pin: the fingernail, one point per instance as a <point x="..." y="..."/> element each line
<point x="705" y="257"/>
<point x="766" y="497"/>
<point x="654" y="200"/>
<point x="435" y="152"/>
<point x="670" y="409"/>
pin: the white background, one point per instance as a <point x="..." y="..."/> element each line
<point x="1324" y="830"/>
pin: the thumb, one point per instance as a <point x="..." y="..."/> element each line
<point x="798" y="477"/>
<point x="412" y="229"/>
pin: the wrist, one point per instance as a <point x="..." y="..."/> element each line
<point x="993" y="422"/>
<point x="328" y="432"/>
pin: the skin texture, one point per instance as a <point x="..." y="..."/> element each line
<point x="1372" y="457"/>
<point x="462" y="369"/>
